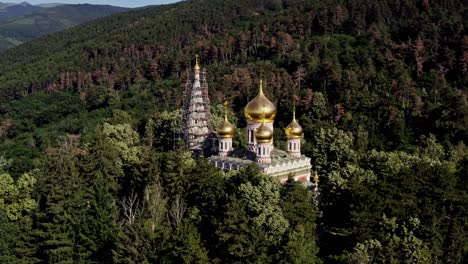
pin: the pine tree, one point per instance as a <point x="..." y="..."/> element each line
<point x="185" y="246"/>
<point x="60" y="203"/>
<point x="301" y="211"/>
<point x="7" y="233"/>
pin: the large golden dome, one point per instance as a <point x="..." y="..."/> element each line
<point x="226" y="130"/>
<point x="294" y="130"/>
<point x="254" y="109"/>
<point x="263" y="134"/>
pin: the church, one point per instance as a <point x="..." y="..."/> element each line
<point x="260" y="115"/>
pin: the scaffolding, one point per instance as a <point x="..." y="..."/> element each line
<point x="197" y="124"/>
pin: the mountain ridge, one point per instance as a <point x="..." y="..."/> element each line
<point x="12" y="10"/>
<point x="379" y="88"/>
<point x="47" y="20"/>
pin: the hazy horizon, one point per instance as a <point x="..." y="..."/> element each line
<point x="122" y="3"/>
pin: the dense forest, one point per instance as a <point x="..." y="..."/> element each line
<point x="92" y="171"/>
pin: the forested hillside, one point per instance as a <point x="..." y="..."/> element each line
<point x="92" y="171"/>
<point x="47" y="20"/>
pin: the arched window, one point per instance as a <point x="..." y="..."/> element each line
<point x="225" y="146"/>
<point x="251" y="136"/>
<point x="294" y="145"/>
<point x="290" y="145"/>
<point x="264" y="151"/>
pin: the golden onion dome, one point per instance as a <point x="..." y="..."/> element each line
<point x="254" y="112"/>
<point x="263" y="134"/>
<point x="197" y="66"/>
<point x="226" y="130"/>
<point x="294" y="130"/>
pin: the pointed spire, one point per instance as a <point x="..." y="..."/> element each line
<point x="197" y="66"/>
<point x="260" y="89"/>
<point x="225" y="104"/>
<point x="294" y="110"/>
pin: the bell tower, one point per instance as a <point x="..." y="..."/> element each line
<point x="197" y="126"/>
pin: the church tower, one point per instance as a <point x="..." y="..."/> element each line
<point x="294" y="134"/>
<point x="264" y="140"/>
<point x="260" y="150"/>
<point x="258" y="111"/>
<point x="197" y="116"/>
<point x="225" y="134"/>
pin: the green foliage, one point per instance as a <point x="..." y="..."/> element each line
<point x="396" y="244"/>
<point x="124" y="141"/>
<point x="300" y="210"/>
<point x="253" y="223"/>
<point x="8" y="230"/>
<point x="62" y="204"/>
<point x="420" y="186"/>
<point x="379" y="90"/>
<point x="161" y="130"/>
<point x="263" y="210"/>
<point x="15" y="196"/>
<point x="333" y="148"/>
<point x="185" y="246"/>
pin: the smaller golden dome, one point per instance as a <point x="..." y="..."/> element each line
<point x="226" y="130"/>
<point x="263" y="134"/>
<point x="254" y="111"/>
<point x="294" y="130"/>
<point x="197" y="66"/>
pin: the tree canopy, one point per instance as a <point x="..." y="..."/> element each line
<point x="92" y="168"/>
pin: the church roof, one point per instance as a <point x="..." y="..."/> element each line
<point x="244" y="157"/>
<point x="260" y="108"/>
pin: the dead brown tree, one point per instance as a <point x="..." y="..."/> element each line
<point x="131" y="208"/>
<point x="155" y="204"/>
<point x="177" y="210"/>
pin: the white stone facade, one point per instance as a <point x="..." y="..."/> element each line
<point x="263" y="152"/>
<point x="294" y="147"/>
<point x="251" y="128"/>
<point x="224" y="146"/>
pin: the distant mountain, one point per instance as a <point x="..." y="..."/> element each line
<point x="47" y="20"/>
<point x="9" y="10"/>
<point x="49" y="5"/>
<point x="4" y="5"/>
<point x="45" y="5"/>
